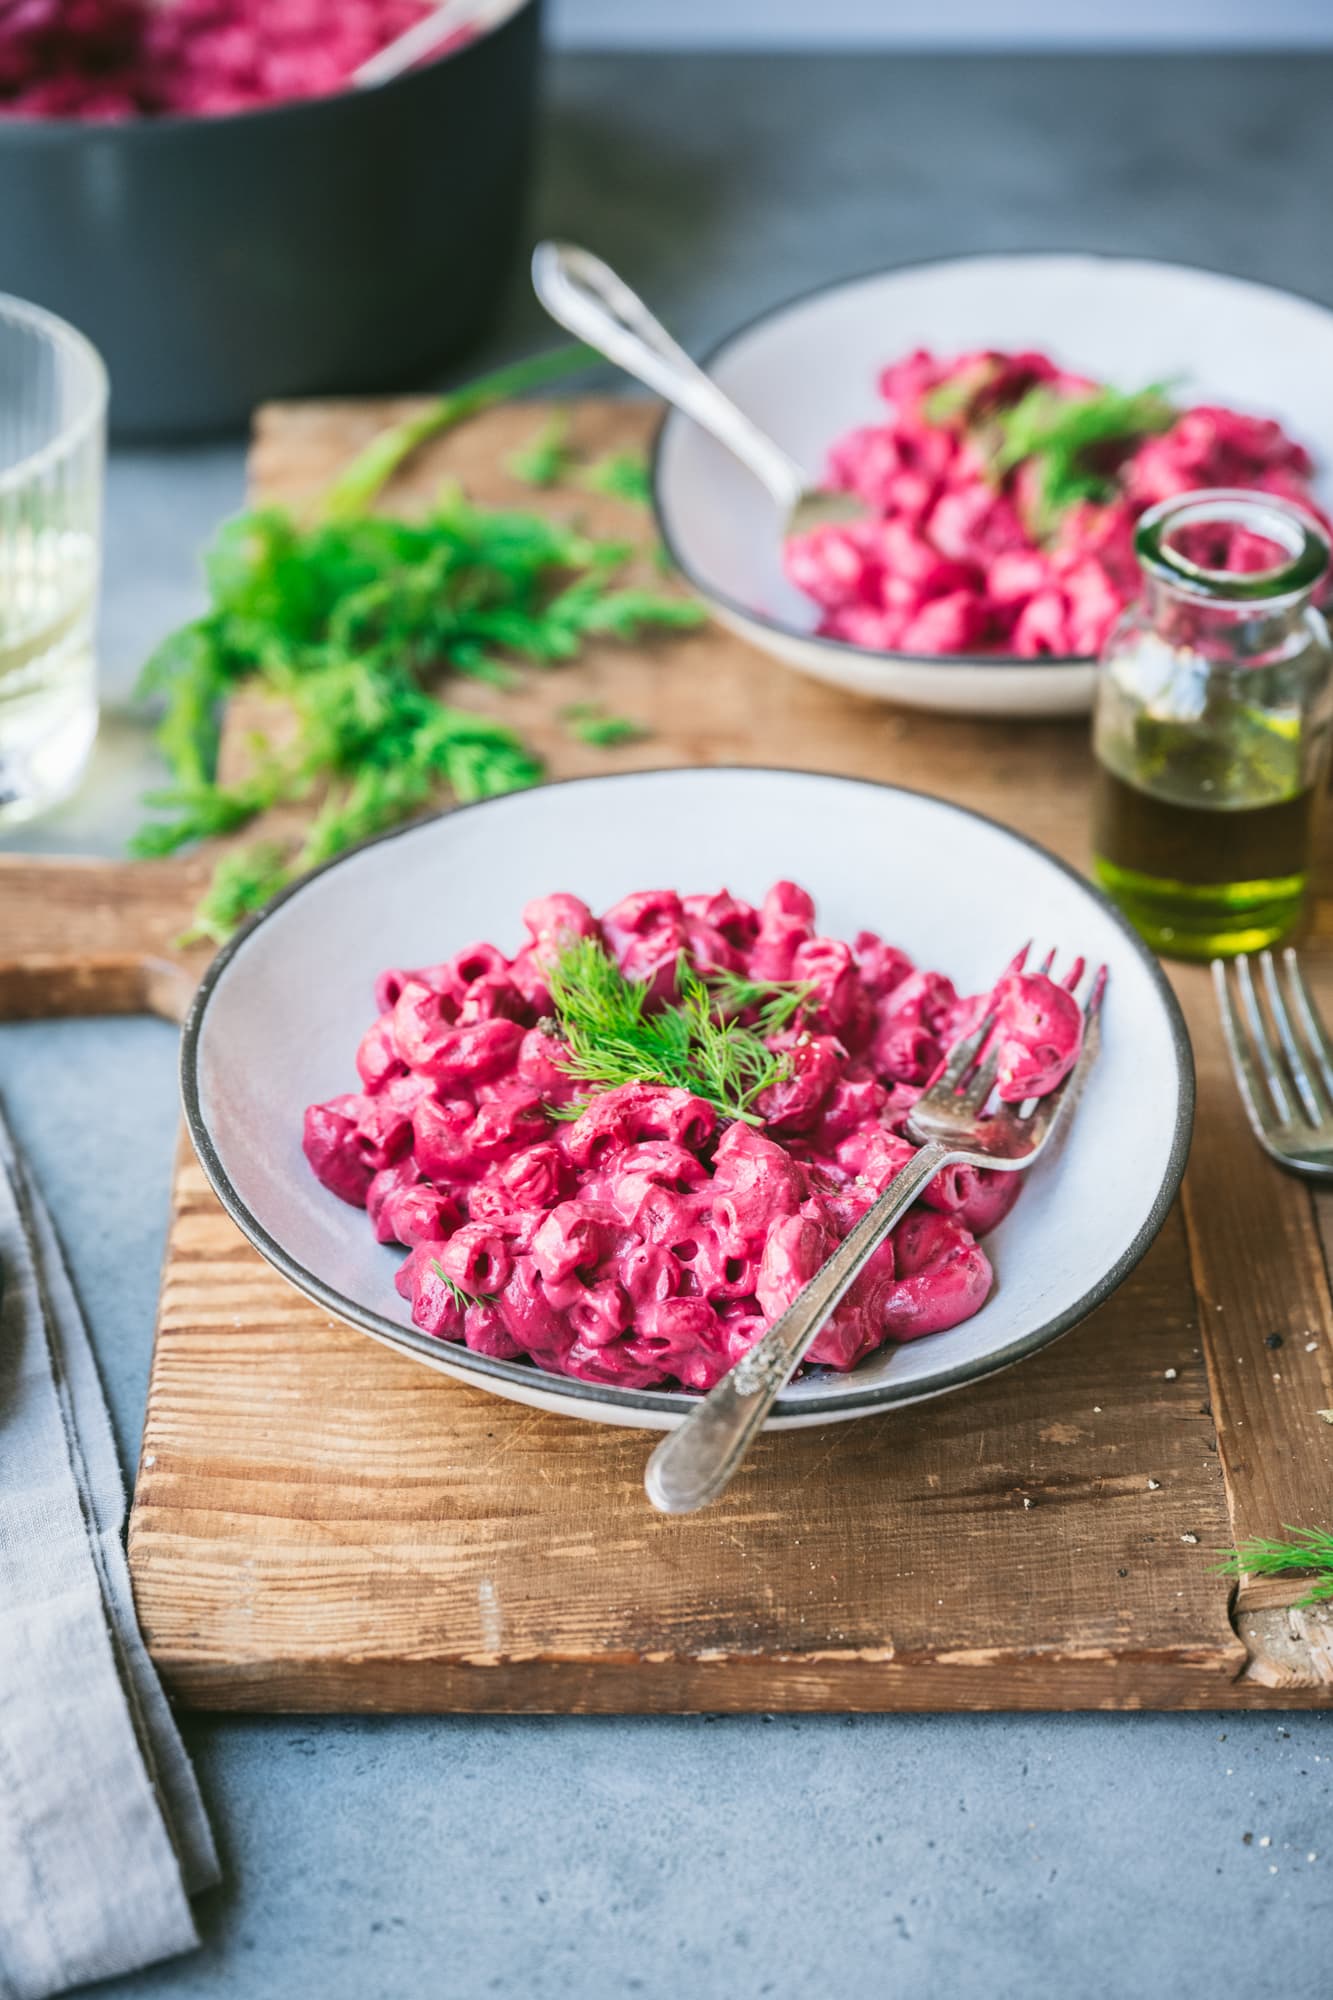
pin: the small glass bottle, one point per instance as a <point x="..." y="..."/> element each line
<point x="1212" y="725"/>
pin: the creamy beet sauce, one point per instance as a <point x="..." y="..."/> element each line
<point x="955" y="562"/>
<point x="648" y="1241"/>
<point x="107" y="60"/>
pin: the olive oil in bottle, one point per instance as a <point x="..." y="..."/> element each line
<point x="1211" y="733"/>
<point x="1196" y="882"/>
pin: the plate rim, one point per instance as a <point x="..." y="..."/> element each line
<point x="936" y="667"/>
<point x="676" y="1402"/>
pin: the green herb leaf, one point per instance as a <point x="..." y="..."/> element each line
<point x="624" y="614"/>
<point x="953" y="402"/>
<point x="1073" y="442"/>
<point x="349" y="625"/>
<point x="622" y="474"/>
<point x="1309" y="1552"/>
<point x="601" y="731"/>
<point x="202" y="811"/>
<point x="612" y="1036"/>
<point x="243" y="882"/>
<point x="461" y="1298"/>
<point x="773" y="1004"/>
<point x="357" y="486"/>
<point x="189" y="673"/>
<point x="546" y="461"/>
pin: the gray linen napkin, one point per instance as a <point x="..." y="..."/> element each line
<point x="103" y="1837"/>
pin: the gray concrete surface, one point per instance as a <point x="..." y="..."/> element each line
<point x="1032" y="1857"/>
<point x="949" y="24"/>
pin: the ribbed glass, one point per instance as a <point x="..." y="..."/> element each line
<point x="53" y="394"/>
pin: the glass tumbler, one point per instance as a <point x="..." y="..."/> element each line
<point x="53" y="395"/>
<point x="1212" y="725"/>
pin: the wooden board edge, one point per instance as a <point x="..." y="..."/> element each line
<point x="733" y="1686"/>
<point x="86" y="936"/>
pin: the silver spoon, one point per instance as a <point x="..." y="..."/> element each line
<point x="585" y="296"/>
<point x="425" y="36"/>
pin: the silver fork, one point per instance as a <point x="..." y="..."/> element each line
<point x="693" y="1463"/>
<point x="1282" y="1058"/>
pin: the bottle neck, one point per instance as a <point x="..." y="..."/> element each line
<point x="1242" y="635"/>
<point x="1229" y="574"/>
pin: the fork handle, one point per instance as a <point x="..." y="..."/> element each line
<point x="698" y="1459"/>
<point x="589" y="299"/>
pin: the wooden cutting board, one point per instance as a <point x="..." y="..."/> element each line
<point x="319" y="1523"/>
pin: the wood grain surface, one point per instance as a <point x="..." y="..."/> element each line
<point x="320" y="1523"/>
<point x="95" y="937"/>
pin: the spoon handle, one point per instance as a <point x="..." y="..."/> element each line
<point x="697" y="1460"/>
<point x="585" y="296"/>
<point x="424" y="37"/>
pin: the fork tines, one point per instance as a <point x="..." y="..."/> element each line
<point x="953" y="1109"/>
<point x="1281" y="1054"/>
<point x="1092" y="1010"/>
<point x="971" y="1085"/>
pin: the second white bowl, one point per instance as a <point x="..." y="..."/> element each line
<point x="806" y="372"/>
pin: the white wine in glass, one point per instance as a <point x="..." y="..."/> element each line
<point x="53" y="394"/>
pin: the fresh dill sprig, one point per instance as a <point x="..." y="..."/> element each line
<point x="243" y="882"/>
<point x="1071" y="442"/>
<point x="732" y="1065"/>
<point x="592" y="725"/>
<point x="624" y="475"/>
<point x="1309" y="1552"/>
<point x="776" y="1003"/>
<point x="623" y="614"/>
<point x="357" y="486"/>
<point x="951" y="403"/>
<point x="546" y="460"/>
<point x="461" y="1298"/>
<point x="613" y="1037"/>
<point x="348" y="625"/>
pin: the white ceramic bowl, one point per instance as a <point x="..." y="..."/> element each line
<point x="806" y="373"/>
<point x="279" y="1014"/>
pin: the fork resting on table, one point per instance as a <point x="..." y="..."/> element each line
<point x="1282" y="1057"/>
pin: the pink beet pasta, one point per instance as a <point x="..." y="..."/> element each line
<point x="633" y="1235"/>
<point x="957" y="558"/>
<point x="104" y="61"/>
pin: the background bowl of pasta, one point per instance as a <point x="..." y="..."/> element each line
<point x="281" y="1012"/>
<point x="993" y="641"/>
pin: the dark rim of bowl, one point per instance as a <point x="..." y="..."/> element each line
<point x="845" y="648"/>
<point x="830" y="1404"/>
<point x="138" y="130"/>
